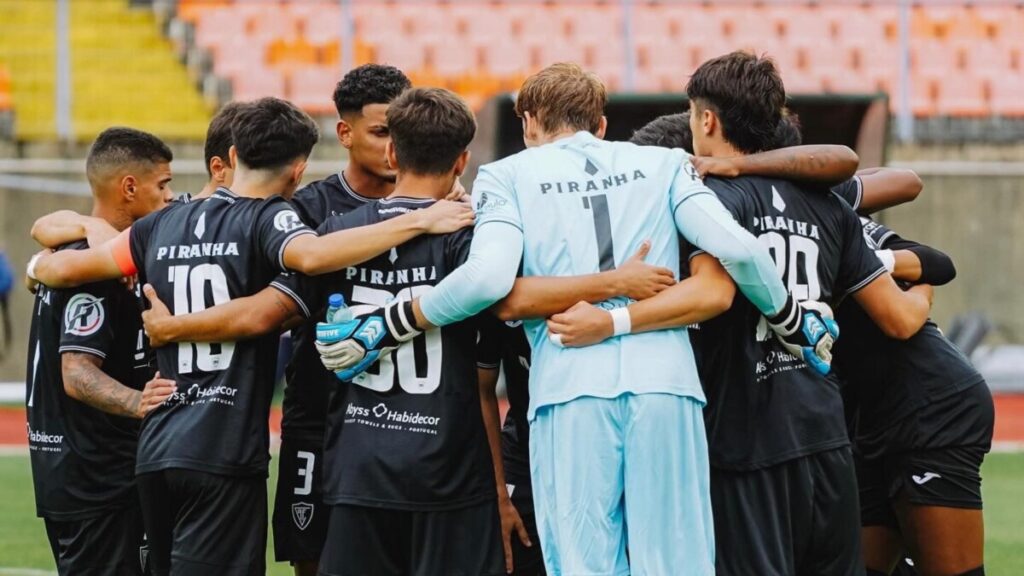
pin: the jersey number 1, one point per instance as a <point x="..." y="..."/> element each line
<point x="598" y="205"/>
<point x="190" y="288"/>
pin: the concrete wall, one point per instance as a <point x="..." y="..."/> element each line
<point x="979" y="222"/>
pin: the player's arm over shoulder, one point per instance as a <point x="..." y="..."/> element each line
<point x="67" y="268"/>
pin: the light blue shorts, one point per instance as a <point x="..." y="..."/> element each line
<point x="612" y="471"/>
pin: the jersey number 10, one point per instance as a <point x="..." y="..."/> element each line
<point x="190" y="287"/>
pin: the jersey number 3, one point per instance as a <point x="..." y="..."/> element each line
<point x="190" y="289"/>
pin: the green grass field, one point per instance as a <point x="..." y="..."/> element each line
<point x="23" y="541"/>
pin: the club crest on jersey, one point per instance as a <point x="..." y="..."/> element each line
<point x="287" y="220"/>
<point x="83" y="315"/>
<point x="302" y="514"/>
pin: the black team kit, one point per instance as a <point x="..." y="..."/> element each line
<point x="83" y="459"/>
<point x="203" y="454"/>
<point x="783" y="488"/>
<point x="407" y="471"/>
<point x="300" y="518"/>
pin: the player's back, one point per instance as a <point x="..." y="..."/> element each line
<point x="408" y="433"/>
<point x="765" y="405"/>
<point x="199" y="255"/>
<point x="585" y="205"/>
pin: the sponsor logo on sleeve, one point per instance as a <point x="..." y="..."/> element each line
<point x="287" y="221"/>
<point x="83" y="315"/>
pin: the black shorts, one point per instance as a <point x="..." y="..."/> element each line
<point x="300" y="517"/>
<point x="199" y="523"/>
<point x="363" y="541"/>
<point x="112" y="544"/>
<point x="797" y="517"/>
<point x="931" y="458"/>
<point x="528" y="561"/>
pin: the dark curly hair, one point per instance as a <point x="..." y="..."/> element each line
<point x="788" y="132"/>
<point x="369" y="84"/>
<point x="745" y="91"/>
<point x="668" y="131"/>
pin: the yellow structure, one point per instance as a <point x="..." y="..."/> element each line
<point x="123" y="71"/>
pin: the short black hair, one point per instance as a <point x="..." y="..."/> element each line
<point x="787" y="132"/>
<point x="747" y="94"/>
<point x="269" y="133"/>
<point x="119" y="146"/>
<point x="369" y="84"/>
<point x="218" y="134"/>
<point x="668" y="131"/>
<point x="430" y="128"/>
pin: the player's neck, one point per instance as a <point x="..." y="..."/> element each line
<point x="256" y="184"/>
<point x="207" y="190"/>
<point x="115" y="216"/>
<point x="419" y="186"/>
<point x="367" y="184"/>
<point x="723" y="149"/>
<point x="543" y="138"/>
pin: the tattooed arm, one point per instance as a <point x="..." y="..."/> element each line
<point x="86" y="382"/>
<point x="824" y="163"/>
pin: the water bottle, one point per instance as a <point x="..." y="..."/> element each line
<point x="337" y="311"/>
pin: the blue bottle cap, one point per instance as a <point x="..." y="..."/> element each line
<point x="336" y="301"/>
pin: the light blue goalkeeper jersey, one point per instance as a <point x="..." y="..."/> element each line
<point x="585" y="205"/>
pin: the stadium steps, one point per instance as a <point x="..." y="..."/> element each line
<point x="123" y="71"/>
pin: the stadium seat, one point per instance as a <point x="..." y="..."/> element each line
<point x="258" y="82"/>
<point x="311" y="88"/>
<point x="962" y="96"/>
<point x="1005" y="95"/>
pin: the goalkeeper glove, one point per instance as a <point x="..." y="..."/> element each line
<point x="349" y="348"/>
<point x="807" y="330"/>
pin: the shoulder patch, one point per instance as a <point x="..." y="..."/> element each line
<point x="287" y="220"/>
<point x="84" y="314"/>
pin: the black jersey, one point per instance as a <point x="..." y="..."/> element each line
<point x="198" y="255"/>
<point x="851" y="191"/>
<point x="766" y="406"/>
<point x="890" y="379"/>
<point x="504" y="344"/>
<point x="83" y="459"/>
<point x="408" y="434"/>
<point x="304" y="409"/>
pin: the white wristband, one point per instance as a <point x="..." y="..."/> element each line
<point x="30" y="270"/>
<point x="621" y="321"/>
<point x="888" y="259"/>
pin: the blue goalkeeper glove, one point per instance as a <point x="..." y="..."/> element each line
<point x="349" y="348"/>
<point x="807" y="331"/>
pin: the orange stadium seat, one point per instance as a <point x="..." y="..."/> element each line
<point x="311" y="88"/>
<point x="1005" y="95"/>
<point x="958" y="96"/>
<point x="960" y="53"/>
<point x="258" y="82"/>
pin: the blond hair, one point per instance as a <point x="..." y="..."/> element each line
<point x="563" y="96"/>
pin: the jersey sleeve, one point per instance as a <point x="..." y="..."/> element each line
<point x="686" y="182"/>
<point x="876" y="234"/>
<point x="276" y="226"/>
<point x="494" y="197"/>
<point x="858" y="265"/>
<point x="488" y="347"/>
<point x="300" y="288"/>
<point x="310" y="206"/>
<point x="86" y="324"/>
<point x="851" y="191"/>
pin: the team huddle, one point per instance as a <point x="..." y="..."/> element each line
<point x="680" y="398"/>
